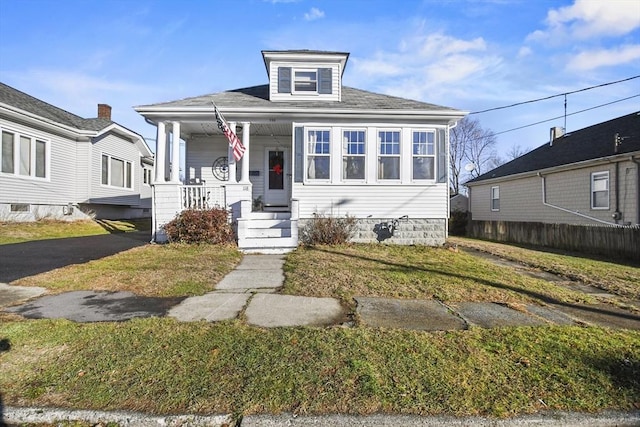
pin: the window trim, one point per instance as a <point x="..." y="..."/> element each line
<point x="294" y="80"/>
<point x="308" y="154"/>
<point x="127" y="167"/>
<point x="344" y="155"/>
<point x="594" y="176"/>
<point x="495" y="199"/>
<point x="34" y="159"/>
<point x="379" y="155"/>
<point x="426" y="156"/>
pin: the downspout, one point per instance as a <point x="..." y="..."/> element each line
<point x="637" y="162"/>
<point x="544" y="202"/>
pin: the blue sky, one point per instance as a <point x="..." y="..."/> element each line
<point x="467" y="54"/>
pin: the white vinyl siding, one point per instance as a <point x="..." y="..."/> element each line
<point x="24" y="155"/>
<point x="308" y="81"/>
<point x="600" y="190"/>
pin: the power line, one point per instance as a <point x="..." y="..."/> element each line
<point x="555" y="96"/>
<point x="570" y="114"/>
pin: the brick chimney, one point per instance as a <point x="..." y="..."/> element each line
<point x="104" y="111"/>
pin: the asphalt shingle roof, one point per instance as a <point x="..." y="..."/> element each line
<point x="258" y="96"/>
<point x="21" y="100"/>
<point x="590" y="143"/>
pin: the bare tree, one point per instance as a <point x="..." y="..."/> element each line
<point x="516" y="151"/>
<point x="470" y="145"/>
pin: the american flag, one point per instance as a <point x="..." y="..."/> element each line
<point x="234" y="141"/>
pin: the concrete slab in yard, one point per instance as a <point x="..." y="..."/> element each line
<point x="551" y="315"/>
<point x="89" y="306"/>
<point x="601" y="314"/>
<point x="261" y="262"/>
<point x="212" y="307"/>
<point x="242" y="280"/>
<point x="490" y="315"/>
<point x="13" y="294"/>
<point x="424" y="315"/>
<point x="269" y="310"/>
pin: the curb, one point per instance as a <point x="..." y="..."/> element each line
<point x="17" y="416"/>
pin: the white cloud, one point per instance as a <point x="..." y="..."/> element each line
<point x="524" y="52"/>
<point x="590" y="60"/>
<point x="314" y="14"/>
<point x="590" y="18"/>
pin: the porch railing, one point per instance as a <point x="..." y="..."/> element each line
<point x="202" y="196"/>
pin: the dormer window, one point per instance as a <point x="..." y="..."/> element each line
<point x="305" y="81"/>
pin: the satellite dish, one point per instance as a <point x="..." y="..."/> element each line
<point x="469" y="167"/>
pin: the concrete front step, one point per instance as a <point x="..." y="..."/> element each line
<point x="267" y="245"/>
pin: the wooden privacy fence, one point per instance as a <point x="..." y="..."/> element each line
<point x="595" y="239"/>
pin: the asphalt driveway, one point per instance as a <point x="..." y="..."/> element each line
<point x="20" y="260"/>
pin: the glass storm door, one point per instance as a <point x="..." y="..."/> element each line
<point x="278" y="177"/>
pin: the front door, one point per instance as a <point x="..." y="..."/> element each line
<point x="276" y="191"/>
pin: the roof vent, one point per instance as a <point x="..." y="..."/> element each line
<point x="104" y="111"/>
<point x="555" y="133"/>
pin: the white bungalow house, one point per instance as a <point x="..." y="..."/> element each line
<point x="57" y="165"/>
<point x="313" y="147"/>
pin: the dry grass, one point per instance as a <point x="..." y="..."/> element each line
<point x="413" y="272"/>
<point x="619" y="278"/>
<point x="150" y="270"/>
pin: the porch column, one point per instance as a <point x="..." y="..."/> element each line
<point x="230" y="159"/>
<point x="245" y="158"/>
<point x="175" y="153"/>
<point x="161" y="149"/>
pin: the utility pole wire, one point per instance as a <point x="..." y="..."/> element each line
<point x="554" y="96"/>
<point x="570" y="114"/>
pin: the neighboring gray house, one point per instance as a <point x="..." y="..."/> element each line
<point x="459" y="203"/>
<point x="56" y="165"/>
<point x="313" y="146"/>
<point x="589" y="176"/>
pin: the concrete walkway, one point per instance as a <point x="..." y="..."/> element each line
<point x="251" y="293"/>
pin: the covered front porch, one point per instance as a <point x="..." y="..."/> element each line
<point x="256" y="190"/>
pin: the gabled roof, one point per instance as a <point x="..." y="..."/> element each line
<point x="95" y="126"/>
<point x="28" y="103"/>
<point x="258" y="97"/>
<point x="591" y="143"/>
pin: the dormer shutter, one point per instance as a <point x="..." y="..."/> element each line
<point x="324" y="80"/>
<point x="284" y="79"/>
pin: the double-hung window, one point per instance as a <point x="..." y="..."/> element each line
<point x="353" y="154"/>
<point x="423" y="154"/>
<point x="388" y="155"/>
<point x="318" y="154"/>
<point x="116" y="172"/>
<point x="305" y="81"/>
<point x="23" y="155"/>
<point x="600" y="190"/>
<point x="495" y="198"/>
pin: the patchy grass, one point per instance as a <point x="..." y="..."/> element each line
<point x="151" y="270"/>
<point x="418" y="272"/>
<point x="163" y="366"/>
<point x="619" y="278"/>
<point x="18" y="232"/>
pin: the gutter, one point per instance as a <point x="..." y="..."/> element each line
<point x="544" y="202"/>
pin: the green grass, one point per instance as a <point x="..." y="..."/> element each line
<point x="162" y="366"/>
<point x="18" y="232"/>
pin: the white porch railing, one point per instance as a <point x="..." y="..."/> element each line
<point x="202" y="196"/>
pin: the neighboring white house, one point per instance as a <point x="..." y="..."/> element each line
<point x="586" y="177"/>
<point x="313" y="146"/>
<point x="56" y="165"/>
